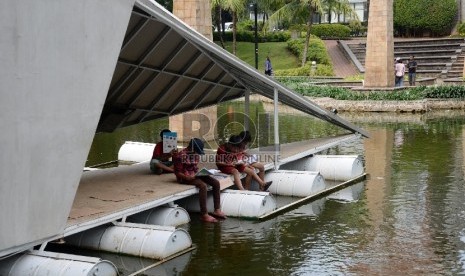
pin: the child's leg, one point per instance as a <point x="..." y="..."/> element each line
<point x="263" y="185"/>
<point x="237" y="179"/>
<point x="216" y="195"/>
<point x="202" y="186"/>
<point x="261" y="169"/>
<point x="247" y="181"/>
<point x="253" y="174"/>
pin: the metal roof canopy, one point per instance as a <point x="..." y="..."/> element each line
<point x="166" y="68"/>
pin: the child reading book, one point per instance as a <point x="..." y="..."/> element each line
<point x="229" y="160"/>
<point x="252" y="159"/>
<point x="186" y="169"/>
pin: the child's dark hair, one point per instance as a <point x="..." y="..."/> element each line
<point x="245" y="136"/>
<point x="163" y="131"/>
<point x="234" y="140"/>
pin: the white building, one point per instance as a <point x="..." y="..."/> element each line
<point x="359" y="6"/>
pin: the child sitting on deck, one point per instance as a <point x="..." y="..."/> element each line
<point x="160" y="162"/>
<point x="229" y="160"/>
<point x="185" y="169"/>
<point x="246" y="139"/>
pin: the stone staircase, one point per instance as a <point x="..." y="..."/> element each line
<point x="456" y="70"/>
<point x="440" y="58"/>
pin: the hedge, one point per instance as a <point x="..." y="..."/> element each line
<point x="332" y="31"/>
<point x="249" y="36"/>
<point x="316" y="50"/>
<point x="306" y="88"/>
<point x="414" y="17"/>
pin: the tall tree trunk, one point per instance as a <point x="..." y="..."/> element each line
<point x="218" y="25"/>
<point x="234" y="16"/>
<point x="307" y="37"/>
<point x="329" y="13"/>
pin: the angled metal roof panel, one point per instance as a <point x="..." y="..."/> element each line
<point x="166" y="68"/>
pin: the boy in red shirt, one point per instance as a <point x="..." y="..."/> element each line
<point x="160" y="162"/>
<point x="186" y="166"/>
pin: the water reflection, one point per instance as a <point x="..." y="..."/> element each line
<point x="408" y="217"/>
<point x="128" y="265"/>
<point x="349" y="194"/>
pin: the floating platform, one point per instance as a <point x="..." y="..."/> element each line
<point x="104" y="196"/>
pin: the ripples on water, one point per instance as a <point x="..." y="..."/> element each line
<point x="407" y="217"/>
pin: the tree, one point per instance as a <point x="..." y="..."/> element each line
<point x="415" y="17"/>
<point x="216" y="8"/>
<point x="298" y="11"/>
<point x="235" y="7"/>
<point x="338" y="7"/>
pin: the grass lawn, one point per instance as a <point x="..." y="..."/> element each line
<point x="280" y="57"/>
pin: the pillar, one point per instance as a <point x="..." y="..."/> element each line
<point x="379" y="60"/>
<point x="196" y="14"/>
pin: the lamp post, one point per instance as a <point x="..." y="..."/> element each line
<point x="255" y="11"/>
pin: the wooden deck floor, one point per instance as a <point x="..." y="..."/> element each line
<point x="107" y="195"/>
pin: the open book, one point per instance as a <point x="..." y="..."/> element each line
<point x="252" y="159"/>
<point x="204" y="172"/>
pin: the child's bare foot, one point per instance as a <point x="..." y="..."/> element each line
<point x="219" y="214"/>
<point x="208" y="218"/>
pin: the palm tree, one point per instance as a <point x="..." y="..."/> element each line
<point x="235" y="7"/>
<point x="339" y="6"/>
<point x="217" y="7"/>
<point x="298" y="11"/>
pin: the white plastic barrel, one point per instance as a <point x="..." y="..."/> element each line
<point x="295" y="183"/>
<point x="40" y="263"/>
<point x="148" y="241"/>
<point x="136" y="151"/>
<point x="331" y="167"/>
<point x="164" y="215"/>
<point x="235" y="203"/>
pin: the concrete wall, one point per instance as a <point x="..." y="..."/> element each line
<point x="57" y="61"/>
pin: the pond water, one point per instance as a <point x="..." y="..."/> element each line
<point x="407" y="217"/>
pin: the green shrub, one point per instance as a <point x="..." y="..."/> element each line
<point x="357" y="28"/>
<point x="249" y="36"/>
<point x="358" y="77"/>
<point x="300" y="71"/>
<point x="445" y="92"/>
<point x="461" y="29"/>
<point x="316" y="50"/>
<point x="307" y="88"/>
<point x="332" y="31"/>
<point x="417" y="17"/>
<point x="245" y="25"/>
<point x="322" y="70"/>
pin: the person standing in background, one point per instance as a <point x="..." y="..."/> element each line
<point x="268" y="67"/>
<point x="412" y="70"/>
<point x="400" y="72"/>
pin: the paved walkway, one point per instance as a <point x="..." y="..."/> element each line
<point x="343" y="67"/>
